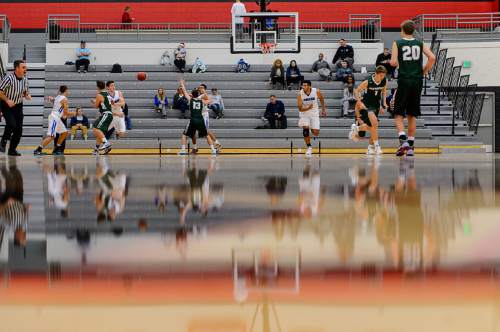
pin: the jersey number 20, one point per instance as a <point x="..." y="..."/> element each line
<point x="411" y="53"/>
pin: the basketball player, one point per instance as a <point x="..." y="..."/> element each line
<point x="57" y="186"/>
<point x="309" y="112"/>
<point x="407" y="55"/>
<point x="196" y="124"/>
<point x="102" y="124"/>
<point x="56" y="126"/>
<point x="206" y="116"/>
<point x="368" y="108"/>
<point x="117" y="102"/>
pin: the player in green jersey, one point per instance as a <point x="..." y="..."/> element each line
<point x="369" y="107"/>
<point x="407" y="55"/>
<point x="197" y="122"/>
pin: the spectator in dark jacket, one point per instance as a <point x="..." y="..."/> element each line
<point x="321" y="67"/>
<point x="293" y="75"/>
<point x="277" y="73"/>
<point x="343" y="72"/>
<point x="79" y="122"/>
<point x="181" y="103"/>
<point x="275" y="113"/>
<point x="384" y="59"/>
<point x="344" y="53"/>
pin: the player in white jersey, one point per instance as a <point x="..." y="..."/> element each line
<point x="310" y="195"/>
<point x="58" y="188"/>
<point x="309" y="113"/>
<point x="117" y="104"/>
<point x="60" y="110"/>
<point x="206" y="117"/>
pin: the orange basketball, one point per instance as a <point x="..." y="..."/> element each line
<point x="141" y="76"/>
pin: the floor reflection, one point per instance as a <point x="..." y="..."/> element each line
<point x="269" y="230"/>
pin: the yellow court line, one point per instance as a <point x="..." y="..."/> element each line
<point x="461" y="147"/>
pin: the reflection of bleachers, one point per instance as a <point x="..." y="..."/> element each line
<point x="245" y="97"/>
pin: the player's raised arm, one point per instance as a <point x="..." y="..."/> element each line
<point x="184" y="91"/>
<point x="431" y="59"/>
<point x="394" y="55"/>
<point x="322" y="101"/>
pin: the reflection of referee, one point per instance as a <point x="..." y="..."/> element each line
<point x="13" y="88"/>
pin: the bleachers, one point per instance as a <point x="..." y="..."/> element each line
<point x="245" y="97"/>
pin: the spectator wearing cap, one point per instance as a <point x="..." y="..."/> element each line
<point x="82" y="57"/>
<point x="180" y="57"/>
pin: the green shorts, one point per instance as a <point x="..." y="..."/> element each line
<point x="364" y="115"/>
<point x="103" y="122"/>
<point x="407" y="97"/>
<point x="196" y="126"/>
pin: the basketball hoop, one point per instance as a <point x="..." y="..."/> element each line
<point x="267" y="48"/>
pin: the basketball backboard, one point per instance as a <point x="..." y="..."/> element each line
<point x="261" y="32"/>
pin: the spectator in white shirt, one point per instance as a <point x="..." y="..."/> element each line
<point x="216" y="104"/>
<point x="238" y="9"/>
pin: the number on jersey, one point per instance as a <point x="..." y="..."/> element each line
<point x="411" y="53"/>
<point x="196" y="105"/>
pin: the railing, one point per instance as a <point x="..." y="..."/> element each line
<point x="69" y="28"/>
<point x="4" y="29"/>
<point x="476" y="26"/>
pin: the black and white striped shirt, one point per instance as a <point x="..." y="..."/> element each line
<point x="15" y="88"/>
<point x="15" y="214"/>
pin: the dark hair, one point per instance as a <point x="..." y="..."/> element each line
<point x="271" y="96"/>
<point x="101" y="85"/>
<point x="293" y="62"/>
<point x="83" y="42"/>
<point x="408" y="27"/>
<point x="18" y="63"/>
<point x="195" y="93"/>
<point x="63" y="89"/>
<point x="341" y="39"/>
<point x="380" y="69"/>
<point x="307" y="82"/>
<point x="108" y="83"/>
<point x="204" y="85"/>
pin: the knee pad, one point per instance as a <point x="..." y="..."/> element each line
<point x="305" y="132"/>
<point x="361" y="133"/>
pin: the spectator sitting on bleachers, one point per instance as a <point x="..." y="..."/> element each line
<point x="322" y="67"/>
<point x="216" y="104"/>
<point x="180" y="103"/>
<point x="343" y="71"/>
<point x="180" y="57"/>
<point x="161" y="102"/>
<point x="83" y="57"/>
<point x="293" y="75"/>
<point x="79" y="122"/>
<point x="127" y="20"/>
<point x="275" y="113"/>
<point x="349" y="100"/>
<point x="384" y="59"/>
<point x="277" y="73"/>
<point x="344" y="53"/>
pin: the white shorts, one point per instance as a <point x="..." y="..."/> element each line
<point x="56" y="126"/>
<point x="309" y="120"/>
<point x="119" y="124"/>
<point x="206" y="117"/>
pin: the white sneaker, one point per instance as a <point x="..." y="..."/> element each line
<point x="371" y="150"/>
<point x="214" y="152"/>
<point x="378" y="150"/>
<point x="104" y="146"/>
<point x="183" y="152"/>
<point x="309" y="152"/>
<point x="353" y="133"/>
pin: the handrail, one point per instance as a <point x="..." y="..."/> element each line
<point x="4" y="29"/>
<point x="73" y="29"/>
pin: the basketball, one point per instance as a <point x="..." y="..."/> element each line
<point x="141" y="76"/>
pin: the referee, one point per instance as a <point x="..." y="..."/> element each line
<point x="13" y="89"/>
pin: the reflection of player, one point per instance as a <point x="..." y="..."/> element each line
<point x="79" y="179"/>
<point x="161" y="198"/>
<point x="58" y="189"/>
<point x="410" y="219"/>
<point x="310" y="196"/>
<point x="110" y="201"/>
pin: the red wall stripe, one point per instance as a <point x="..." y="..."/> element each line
<point x="34" y="15"/>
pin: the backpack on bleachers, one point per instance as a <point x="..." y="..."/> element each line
<point x="242" y="66"/>
<point x="165" y="59"/>
<point x="117" y="68"/>
<point x="199" y="66"/>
